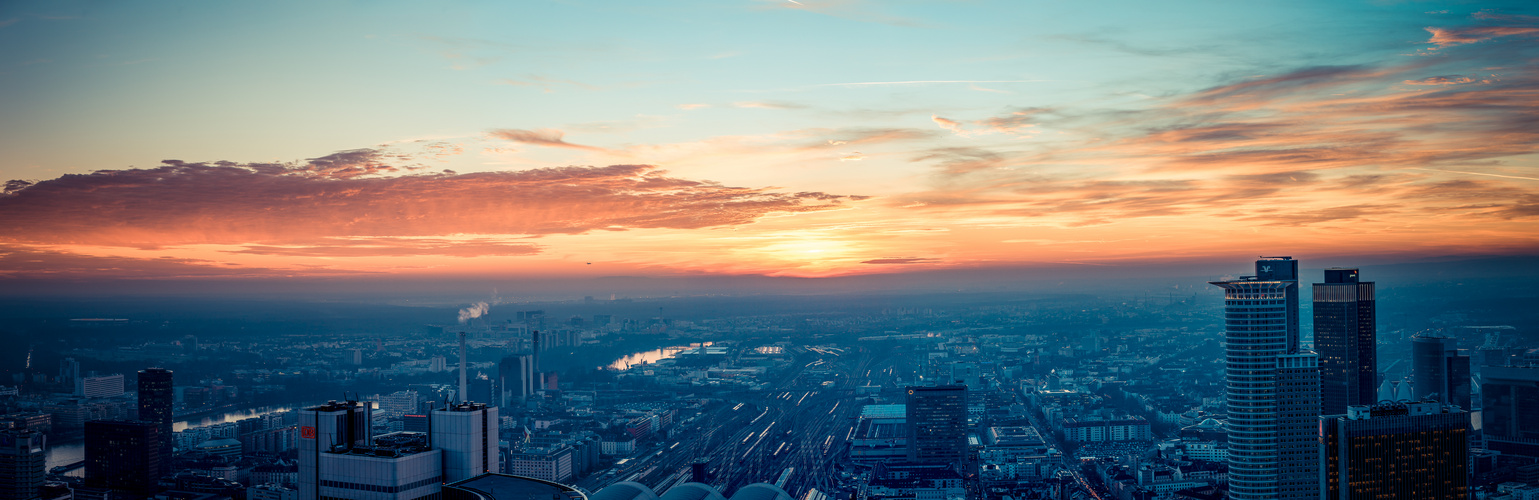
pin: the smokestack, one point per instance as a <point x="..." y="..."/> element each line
<point x="462" y="367"/>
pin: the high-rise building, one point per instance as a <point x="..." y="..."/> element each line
<point x="516" y="374"/>
<point x="1439" y="372"/>
<point x="329" y="428"/>
<point x="1396" y="450"/>
<point x="937" y="424"/>
<point x="485" y="389"/>
<point x="21" y="464"/>
<point x="103" y="386"/>
<point x="1345" y="336"/>
<point x="1298" y="425"/>
<point x="69" y="371"/>
<point x="156" y="394"/>
<point x="395" y="466"/>
<point x="1510" y="409"/>
<point x="123" y="455"/>
<point x="1265" y="383"/>
<point x="467" y="434"/>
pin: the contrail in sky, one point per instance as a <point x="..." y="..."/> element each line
<point x="1478" y="173"/>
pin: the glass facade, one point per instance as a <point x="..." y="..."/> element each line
<point x="1396" y="450"/>
<point x="937" y="424"/>
<point x="1272" y="390"/>
<point x="1345" y="338"/>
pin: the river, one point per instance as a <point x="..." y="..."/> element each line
<point x="71" y="451"/>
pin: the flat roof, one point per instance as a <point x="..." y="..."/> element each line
<point x="492" y="486"/>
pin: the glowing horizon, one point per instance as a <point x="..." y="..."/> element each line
<point x="801" y="139"/>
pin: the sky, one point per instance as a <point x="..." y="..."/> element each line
<point x="568" y="139"/>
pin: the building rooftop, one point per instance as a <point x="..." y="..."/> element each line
<point x="493" y="486"/>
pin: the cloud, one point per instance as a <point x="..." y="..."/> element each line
<point x="32" y="262"/>
<point x="856" y="156"/>
<point x="545" y="137"/>
<point x="274" y="209"/>
<point x="902" y="260"/>
<point x="949" y="124"/>
<point x="1448" y="37"/>
<point x="1440" y="80"/>
<point x="393" y="247"/>
<point x="692" y="106"/>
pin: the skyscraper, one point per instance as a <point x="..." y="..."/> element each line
<point x="937" y="424"/>
<point x="517" y="379"/>
<point x="21" y="464"/>
<point x="123" y="455"/>
<point x="330" y="427"/>
<point x="1510" y="409"/>
<point x="1265" y="378"/>
<point x="467" y="434"/>
<point x="1405" y="451"/>
<point x="1345" y="340"/>
<point x="1439" y="372"/>
<point x="155" y="397"/>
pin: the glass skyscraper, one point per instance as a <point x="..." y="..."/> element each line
<point x="1272" y="388"/>
<point x="155" y="399"/>
<point x="1396" y="450"/>
<point x="1439" y="372"/>
<point x="937" y="424"/>
<point x="1345" y="339"/>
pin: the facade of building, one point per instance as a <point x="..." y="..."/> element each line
<point x="1510" y="409"/>
<point x="467" y="434"/>
<point x="936" y="420"/>
<point x="517" y="379"/>
<point x="1298" y="425"/>
<point x="1439" y="372"/>
<point x="399" y="403"/>
<point x="1408" y="451"/>
<point x="334" y="426"/>
<point x="156" y="394"/>
<point x="396" y="466"/>
<point x="21" y="464"/>
<point x="1345" y="338"/>
<point x="1261" y="324"/>
<point x="123" y="455"/>
<point x="102" y="386"/>
<point x="548" y="464"/>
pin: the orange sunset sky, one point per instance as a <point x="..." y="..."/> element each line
<point x="802" y="139"/>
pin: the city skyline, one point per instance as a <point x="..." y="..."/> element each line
<point x="777" y="138"/>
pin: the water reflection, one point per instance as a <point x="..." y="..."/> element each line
<point x="182" y="425"/>
<point x="646" y="357"/>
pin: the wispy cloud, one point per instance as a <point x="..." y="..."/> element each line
<point x="544" y="137"/>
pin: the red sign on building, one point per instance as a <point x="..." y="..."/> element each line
<point x="307" y="432"/>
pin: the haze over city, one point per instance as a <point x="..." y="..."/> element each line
<point x="769" y="250"/>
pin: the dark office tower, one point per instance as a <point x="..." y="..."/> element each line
<point x="69" y="371"/>
<point x="937" y="424"/>
<point x="21" y="464"/>
<point x="1268" y="384"/>
<point x="333" y="426"/>
<point x="485" y="390"/>
<point x="123" y="455"/>
<point x="517" y="379"/>
<point x="1439" y="372"/>
<point x="1510" y="409"/>
<point x="1408" y="451"/>
<point x="155" y="397"/>
<point x="1345" y="339"/>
